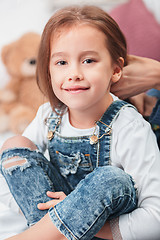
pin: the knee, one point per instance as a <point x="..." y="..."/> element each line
<point x="112" y="177"/>
<point x="16" y="160"/>
<point x="18" y="141"/>
<point x="111" y="185"/>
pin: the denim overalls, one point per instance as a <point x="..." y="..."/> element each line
<point x="96" y="191"/>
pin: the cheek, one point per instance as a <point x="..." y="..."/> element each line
<point x="102" y="71"/>
<point x="101" y="77"/>
<point x="56" y="90"/>
<point x="55" y="86"/>
<point x="55" y="78"/>
<point x="55" y="81"/>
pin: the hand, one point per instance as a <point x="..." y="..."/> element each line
<point x="138" y="102"/>
<point x="144" y="103"/>
<point x="140" y="75"/>
<point x="58" y="197"/>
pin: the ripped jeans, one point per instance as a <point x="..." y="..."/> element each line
<point x="103" y="194"/>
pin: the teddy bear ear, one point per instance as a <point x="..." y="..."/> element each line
<point x="4" y="53"/>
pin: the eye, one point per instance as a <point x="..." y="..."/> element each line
<point x="88" y="61"/>
<point x="61" y="62"/>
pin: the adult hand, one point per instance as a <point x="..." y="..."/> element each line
<point x="58" y="197"/>
<point x="143" y="103"/>
<point x="140" y="75"/>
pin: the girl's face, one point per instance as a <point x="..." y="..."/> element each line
<point x="81" y="68"/>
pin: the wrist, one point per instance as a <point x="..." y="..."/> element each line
<point x="155" y="75"/>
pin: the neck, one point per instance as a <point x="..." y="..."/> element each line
<point x="86" y="118"/>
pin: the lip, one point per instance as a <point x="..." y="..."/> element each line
<point x="76" y="89"/>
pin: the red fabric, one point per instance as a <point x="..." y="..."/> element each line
<point x="140" y="28"/>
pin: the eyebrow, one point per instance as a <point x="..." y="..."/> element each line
<point x="57" y="54"/>
<point x="89" y="52"/>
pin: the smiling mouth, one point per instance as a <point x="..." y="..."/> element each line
<point x="76" y="90"/>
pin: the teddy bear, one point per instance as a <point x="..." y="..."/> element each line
<point x="21" y="97"/>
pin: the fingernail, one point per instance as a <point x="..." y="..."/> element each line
<point x="39" y="205"/>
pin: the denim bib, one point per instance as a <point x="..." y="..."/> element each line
<point x="107" y="189"/>
<point x="75" y="157"/>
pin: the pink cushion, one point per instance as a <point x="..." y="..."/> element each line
<point x="141" y="29"/>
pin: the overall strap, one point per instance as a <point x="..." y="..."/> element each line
<point x="105" y="130"/>
<point x="53" y="122"/>
<point x="112" y="112"/>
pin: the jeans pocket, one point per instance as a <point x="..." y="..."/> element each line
<point x="74" y="162"/>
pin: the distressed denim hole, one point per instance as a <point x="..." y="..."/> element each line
<point x="14" y="161"/>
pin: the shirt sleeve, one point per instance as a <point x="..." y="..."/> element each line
<point x="37" y="129"/>
<point x="135" y="150"/>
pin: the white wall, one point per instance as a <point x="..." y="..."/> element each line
<point x="105" y="4"/>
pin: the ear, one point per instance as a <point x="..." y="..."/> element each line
<point x="117" y="70"/>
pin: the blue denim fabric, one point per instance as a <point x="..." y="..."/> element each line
<point x="95" y="191"/>
<point x="29" y="183"/>
<point x="154" y="92"/>
<point x="104" y="194"/>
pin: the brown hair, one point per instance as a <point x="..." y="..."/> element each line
<point x="69" y="16"/>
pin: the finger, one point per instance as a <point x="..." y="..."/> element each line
<point x="138" y="102"/>
<point x="55" y="202"/>
<point x="44" y="206"/>
<point x="51" y="194"/>
<point x="47" y="205"/>
<point x="58" y="195"/>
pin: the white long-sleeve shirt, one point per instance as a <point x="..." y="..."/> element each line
<point x="134" y="149"/>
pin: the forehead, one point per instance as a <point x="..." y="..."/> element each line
<point x="78" y="32"/>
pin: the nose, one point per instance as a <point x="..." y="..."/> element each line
<point x="76" y="78"/>
<point x="75" y="74"/>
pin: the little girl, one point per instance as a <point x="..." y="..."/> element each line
<point x="98" y="145"/>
